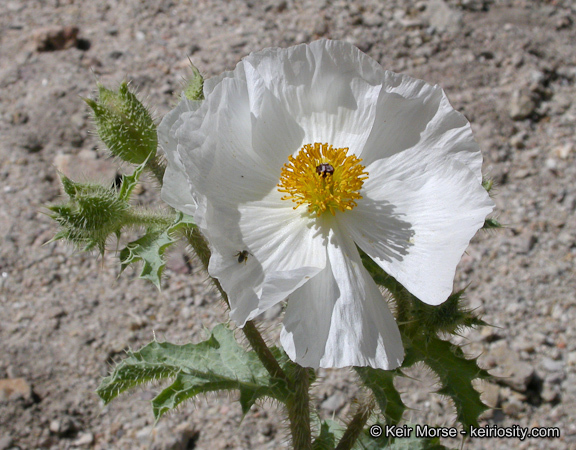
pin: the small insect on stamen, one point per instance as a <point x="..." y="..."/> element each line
<point x="242" y="256"/>
<point x="324" y="169"/>
<point x="324" y="178"/>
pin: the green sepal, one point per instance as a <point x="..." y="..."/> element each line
<point x="381" y="383"/>
<point x="151" y="247"/>
<point x="216" y="364"/>
<point x="124" y="124"/>
<point x="487" y="184"/>
<point x="194" y="87"/>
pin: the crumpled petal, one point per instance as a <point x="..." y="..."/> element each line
<point x="176" y="189"/>
<point x="329" y="87"/>
<point x="412" y="113"/>
<point x="340" y="318"/>
<point x="226" y="166"/>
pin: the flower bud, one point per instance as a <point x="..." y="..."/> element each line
<point x="124" y="124"/>
<point x="194" y="87"/>
<point x="93" y="213"/>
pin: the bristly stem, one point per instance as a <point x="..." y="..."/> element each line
<point x="146" y="219"/>
<point x="356" y="425"/>
<point x="299" y="409"/>
<point x="264" y="354"/>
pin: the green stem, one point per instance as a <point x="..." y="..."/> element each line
<point x="202" y="251"/>
<point x="146" y="219"/>
<point x="264" y="354"/>
<point x="356" y="426"/>
<point x="298" y="407"/>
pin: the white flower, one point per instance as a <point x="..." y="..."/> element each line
<point x="299" y="155"/>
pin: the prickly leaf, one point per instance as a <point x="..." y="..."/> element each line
<point x="216" y="364"/>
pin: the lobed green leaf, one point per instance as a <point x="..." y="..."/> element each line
<point x="150" y="249"/>
<point x="217" y="364"/>
<point x="448" y="317"/>
<point x="330" y="432"/>
<point x="129" y="182"/>
<point x="420" y="325"/>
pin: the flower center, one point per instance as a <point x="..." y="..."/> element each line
<point x="323" y="177"/>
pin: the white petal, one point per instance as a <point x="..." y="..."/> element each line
<point x="329" y="87"/>
<point x="285" y="250"/>
<point x="237" y="158"/>
<point x="339" y="318"/>
<point x="176" y="190"/>
<point x="241" y="138"/>
<point x="416" y="219"/>
<point x="412" y="113"/>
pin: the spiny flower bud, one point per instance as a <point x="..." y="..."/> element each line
<point x="194" y="87"/>
<point x="124" y="124"/>
<point x="93" y="213"/>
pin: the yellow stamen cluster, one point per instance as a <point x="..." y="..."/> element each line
<point x="323" y="177"/>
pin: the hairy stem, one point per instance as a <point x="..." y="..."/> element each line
<point x="356" y="426"/>
<point x="146" y="219"/>
<point x="299" y="409"/>
<point x="259" y="346"/>
<point x="202" y="251"/>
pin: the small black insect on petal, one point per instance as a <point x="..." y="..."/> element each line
<point x="242" y="256"/>
<point x="324" y="169"/>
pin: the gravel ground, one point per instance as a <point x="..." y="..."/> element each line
<point x="65" y="316"/>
